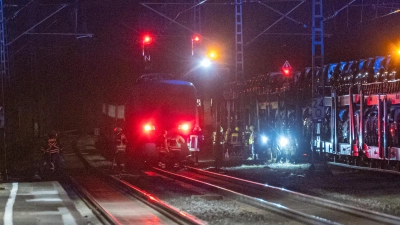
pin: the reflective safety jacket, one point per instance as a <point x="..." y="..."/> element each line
<point x="176" y="143"/>
<point x="51" y="145"/>
<point x="120" y="142"/>
<point x="253" y="138"/>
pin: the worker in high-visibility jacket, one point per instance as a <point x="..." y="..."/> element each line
<point x="52" y="150"/>
<point x="120" y="149"/>
<point x="178" y="150"/>
<point x="253" y="143"/>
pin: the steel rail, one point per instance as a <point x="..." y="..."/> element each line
<point x="173" y="213"/>
<point x="102" y="214"/>
<point x="177" y="215"/>
<point x="364" y="168"/>
<point x="256" y="202"/>
<point x="376" y="216"/>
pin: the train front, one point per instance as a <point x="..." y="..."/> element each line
<point x="157" y="106"/>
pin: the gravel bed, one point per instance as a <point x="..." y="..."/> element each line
<point x="373" y="191"/>
<point x="209" y="207"/>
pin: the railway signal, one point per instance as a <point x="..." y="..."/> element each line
<point x="195" y="39"/>
<point x="147" y="39"/>
<point x="286" y="69"/>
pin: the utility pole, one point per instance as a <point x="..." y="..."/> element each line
<point x="3" y="68"/>
<point x="318" y="81"/>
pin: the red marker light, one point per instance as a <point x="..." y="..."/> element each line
<point x="147" y="39"/>
<point x="184" y="127"/>
<point x="196" y="38"/>
<point x="286" y="71"/>
<point x="148" y="127"/>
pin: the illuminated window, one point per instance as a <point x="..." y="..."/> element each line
<point x="121" y="112"/>
<point x="111" y="111"/>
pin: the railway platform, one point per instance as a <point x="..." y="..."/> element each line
<point x="38" y="203"/>
<point x="26" y="199"/>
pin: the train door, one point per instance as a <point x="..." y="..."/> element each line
<point x="394" y="128"/>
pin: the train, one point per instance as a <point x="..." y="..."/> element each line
<point x="154" y="104"/>
<point x="361" y="116"/>
<point x="363" y="111"/>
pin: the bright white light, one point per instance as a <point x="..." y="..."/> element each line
<point x="264" y="139"/>
<point x="205" y="63"/>
<point x="283" y="141"/>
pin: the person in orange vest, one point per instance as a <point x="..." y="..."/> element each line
<point x="52" y="149"/>
<point x="120" y="149"/>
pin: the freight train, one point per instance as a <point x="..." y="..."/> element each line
<point x="156" y="103"/>
<point x="361" y="122"/>
<point x="363" y="113"/>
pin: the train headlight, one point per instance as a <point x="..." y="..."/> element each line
<point x="264" y="139"/>
<point x="283" y="141"/>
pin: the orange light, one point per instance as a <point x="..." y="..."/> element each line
<point x="212" y="55"/>
<point x="148" y="127"/>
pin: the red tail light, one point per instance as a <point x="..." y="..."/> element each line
<point x="184" y="127"/>
<point x="148" y="127"/>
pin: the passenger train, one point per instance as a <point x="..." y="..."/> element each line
<point x="157" y="103"/>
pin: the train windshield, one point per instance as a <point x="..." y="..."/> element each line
<point x="165" y="99"/>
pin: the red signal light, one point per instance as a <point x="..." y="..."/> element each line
<point x="286" y="71"/>
<point x="196" y="38"/>
<point x="147" y="39"/>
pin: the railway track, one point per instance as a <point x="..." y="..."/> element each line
<point x="277" y="204"/>
<point x="115" y="201"/>
<point x="299" y="207"/>
<point x="388" y="171"/>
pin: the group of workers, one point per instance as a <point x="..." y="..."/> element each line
<point x="168" y="151"/>
<point x="239" y="143"/>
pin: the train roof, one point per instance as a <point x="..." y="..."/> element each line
<point x="154" y="78"/>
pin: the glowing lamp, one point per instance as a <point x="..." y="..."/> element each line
<point x="184" y="127"/>
<point x="196" y="38"/>
<point x="147" y="39"/>
<point x="212" y="55"/>
<point x="264" y="139"/>
<point x="148" y="127"/>
<point x="283" y="141"/>
<point x="286" y="71"/>
<point x="205" y="63"/>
